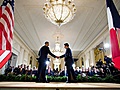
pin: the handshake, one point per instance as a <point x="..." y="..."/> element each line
<point x="57" y="57"/>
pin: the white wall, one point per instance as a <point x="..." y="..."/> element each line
<point x="88" y="52"/>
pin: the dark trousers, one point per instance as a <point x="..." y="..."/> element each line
<point x="41" y="72"/>
<point x="71" y="73"/>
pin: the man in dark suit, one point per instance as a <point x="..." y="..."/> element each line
<point x="107" y="59"/>
<point x="68" y="63"/>
<point x="44" y="51"/>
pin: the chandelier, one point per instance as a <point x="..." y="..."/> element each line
<point x="59" y="12"/>
<point x="57" y="51"/>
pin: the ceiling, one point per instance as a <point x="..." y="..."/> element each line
<point x="35" y="29"/>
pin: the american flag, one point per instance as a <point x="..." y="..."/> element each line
<point x="6" y="30"/>
<point x="114" y="29"/>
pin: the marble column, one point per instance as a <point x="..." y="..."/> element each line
<point x="16" y="51"/>
<point x="25" y="60"/>
<point x="18" y="60"/>
<point x="21" y="55"/>
<point x="34" y="62"/>
<point x="87" y="58"/>
<point x="78" y="63"/>
<point x="62" y="64"/>
<point x="92" y="57"/>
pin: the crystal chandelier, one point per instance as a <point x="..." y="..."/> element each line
<point x="57" y="51"/>
<point x="59" y="12"/>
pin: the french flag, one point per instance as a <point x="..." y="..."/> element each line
<point x="114" y="29"/>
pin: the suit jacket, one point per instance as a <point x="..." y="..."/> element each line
<point x="68" y="57"/>
<point x="43" y="52"/>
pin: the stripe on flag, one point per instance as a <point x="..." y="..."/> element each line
<point x="4" y="57"/>
<point x="3" y="54"/>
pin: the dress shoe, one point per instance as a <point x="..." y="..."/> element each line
<point x="38" y="82"/>
<point x="72" y="81"/>
<point x="45" y="81"/>
<point x="68" y="82"/>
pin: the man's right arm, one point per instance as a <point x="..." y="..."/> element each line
<point x="51" y="53"/>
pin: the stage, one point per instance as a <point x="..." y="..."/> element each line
<point x="57" y="86"/>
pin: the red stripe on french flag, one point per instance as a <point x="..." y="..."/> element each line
<point x="114" y="43"/>
<point x="113" y="23"/>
